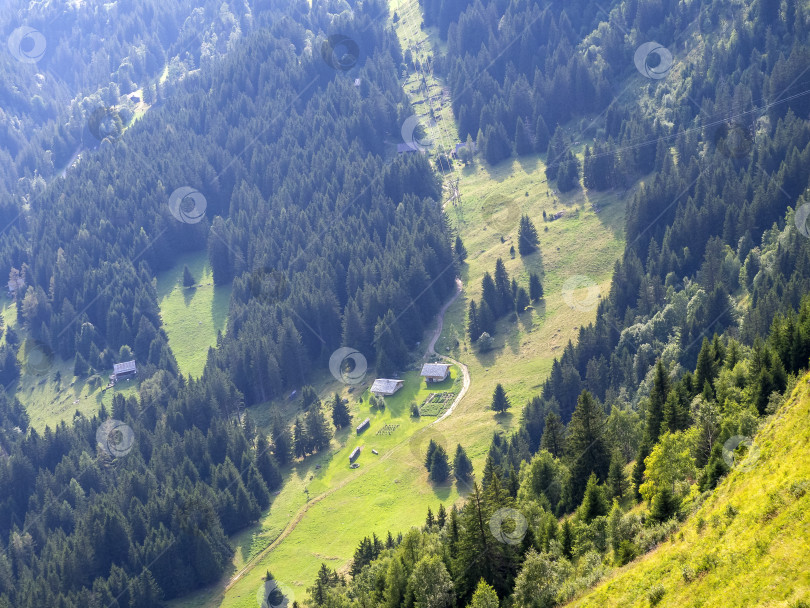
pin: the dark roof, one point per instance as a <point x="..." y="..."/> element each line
<point x="126" y="367"/>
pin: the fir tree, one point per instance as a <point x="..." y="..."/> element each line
<point x="594" y="502"/>
<point x="553" y="439"/>
<point x="439" y="465"/>
<point x="462" y="465"/>
<point x="587" y="445"/>
<point x="527" y="236"/>
<point x="535" y="287"/>
<point x="500" y="402"/>
<point x="616" y="480"/>
<point x="460" y="250"/>
<point x="188" y="278"/>
<point x="473" y="324"/>
<point x="340" y="413"/>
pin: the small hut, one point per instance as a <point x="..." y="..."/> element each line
<point x="363" y="425"/>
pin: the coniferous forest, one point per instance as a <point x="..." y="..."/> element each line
<point x="270" y="152"/>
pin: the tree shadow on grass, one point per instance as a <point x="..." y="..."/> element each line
<point x="504" y="418"/>
<point x="442" y="490"/>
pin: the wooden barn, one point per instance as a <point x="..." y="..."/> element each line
<point x="386" y="386"/>
<point x="123" y="370"/>
<point x="435" y="372"/>
<point x="363" y="425"/>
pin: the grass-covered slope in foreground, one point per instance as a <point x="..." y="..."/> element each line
<point x="749" y="543"/>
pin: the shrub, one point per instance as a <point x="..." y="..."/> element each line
<point x="656" y="594"/>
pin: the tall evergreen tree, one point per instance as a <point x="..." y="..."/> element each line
<point x="527" y="236"/>
<point x="462" y="465"/>
<point x="535" y="287"/>
<point x="439" y="465"/>
<point x="553" y="439"/>
<point x="658" y="397"/>
<point x="341" y="417"/>
<point x="587" y="445"/>
<point x="500" y="402"/>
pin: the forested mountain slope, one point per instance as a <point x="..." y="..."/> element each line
<point x="745" y="545"/>
<point x="705" y="326"/>
<point x="275" y="164"/>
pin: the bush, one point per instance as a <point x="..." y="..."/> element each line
<point x="656" y="594"/>
<point x="414" y="410"/>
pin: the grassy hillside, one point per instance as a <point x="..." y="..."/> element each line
<point x="49" y="391"/>
<point x="747" y="545"/>
<point x="192" y="316"/>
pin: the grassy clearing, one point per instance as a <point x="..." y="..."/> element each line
<point x="50" y="392"/>
<point x="192" y="316"/>
<point x="391" y="491"/>
<point x="745" y="545"/>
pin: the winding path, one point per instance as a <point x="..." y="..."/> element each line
<point x="431" y="351"/>
<point x="303" y="510"/>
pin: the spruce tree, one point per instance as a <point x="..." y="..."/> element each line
<point x="473" y="324"/>
<point x="535" y="287"/>
<point x="553" y="439"/>
<point x="462" y="465"/>
<point x="460" y="250"/>
<point x="658" y="397"/>
<point x="500" y="402"/>
<point x="523" y="145"/>
<point x="527" y="236"/>
<point x="188" y="278"/>
<point x="341" y="417"/>
<point x="587" y="444"/>
<point x="441" y="516"/>
<point x="616" y="480"/>
<point x="439" y="465"/>
<point x="594" y="502"/>
<point x="432" y="445"/>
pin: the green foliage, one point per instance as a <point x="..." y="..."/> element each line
<point x="594" y="502"/>
<point x="500" y="402"/>
<point x="462" y="465"/>
<point x="527" y="236"/>
<point x="439" y="468"/>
